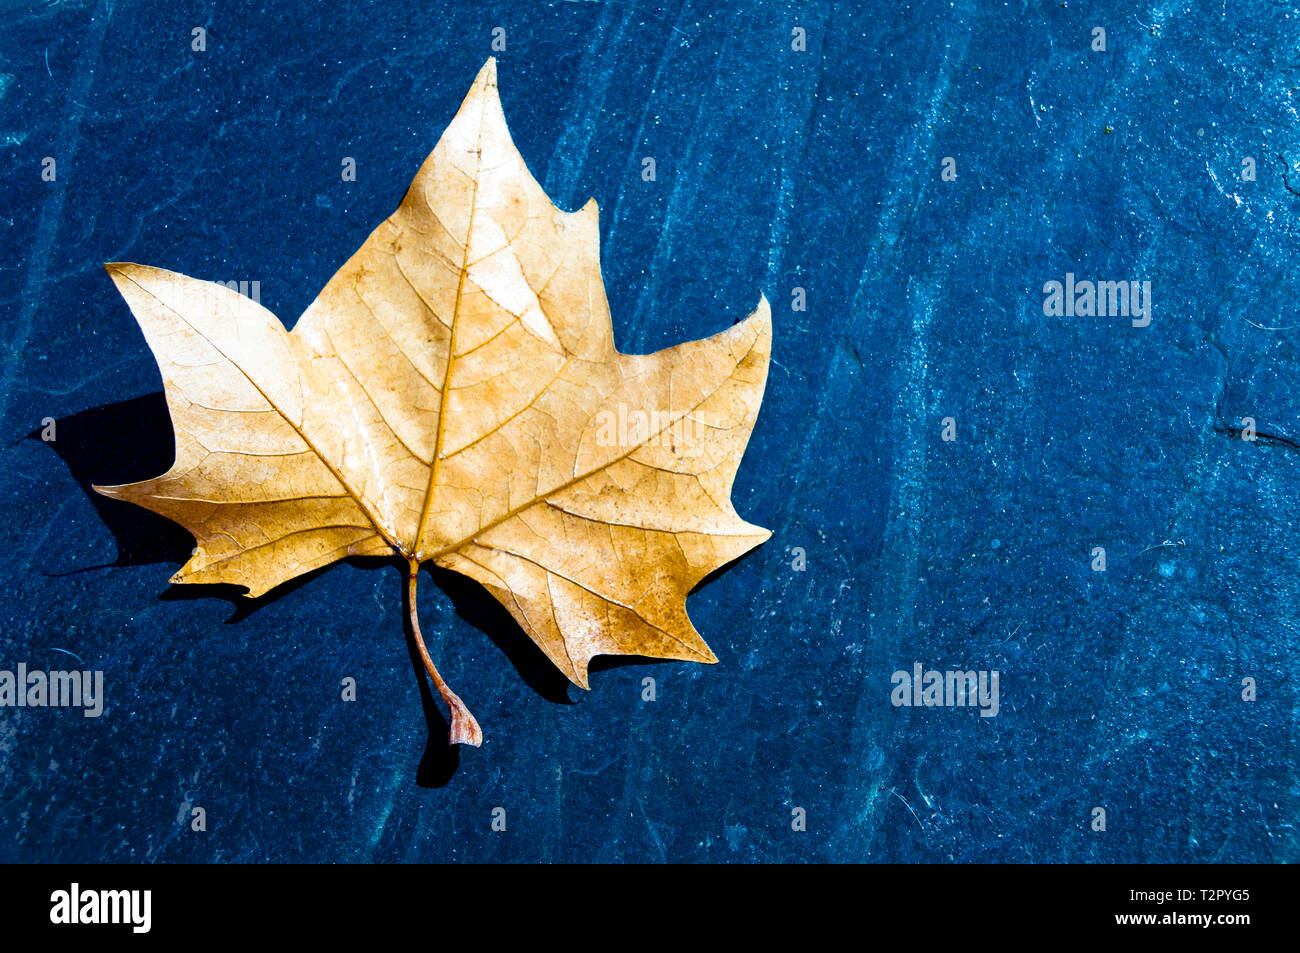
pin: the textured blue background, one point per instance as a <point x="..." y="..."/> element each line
<point x="776" y="169"/>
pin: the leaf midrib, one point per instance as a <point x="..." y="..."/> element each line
<point x="445" y="394"/>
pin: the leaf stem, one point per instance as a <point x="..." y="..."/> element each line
<point x="464" y="729"/>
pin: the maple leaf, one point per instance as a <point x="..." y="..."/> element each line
<point x="454" y="396"/>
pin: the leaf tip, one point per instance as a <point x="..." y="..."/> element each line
<point x="116" y="271"/>
<point x="127" y="273"/>
<point x="487" y="76"/>
<point x="116" y="268"/>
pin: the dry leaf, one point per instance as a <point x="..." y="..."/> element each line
<point x="454" y="396"/>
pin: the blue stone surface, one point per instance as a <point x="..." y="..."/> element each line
<point x="776" y="168"/>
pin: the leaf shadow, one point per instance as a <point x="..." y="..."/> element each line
<point x="605" y="663"/>
<point x="91" y="444"/>
<point x="479" y="608"/>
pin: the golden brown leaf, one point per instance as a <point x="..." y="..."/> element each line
<point x="454" y="395"/>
